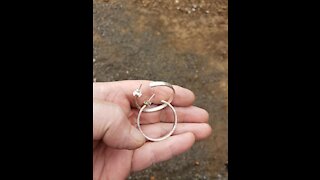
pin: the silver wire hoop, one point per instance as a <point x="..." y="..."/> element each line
<point x="137" y="93"/>
<point x="166" y="136"/>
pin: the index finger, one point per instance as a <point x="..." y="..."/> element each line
<point x="182" y="96"/>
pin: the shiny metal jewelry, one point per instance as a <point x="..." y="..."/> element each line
<point x="148" y="103"/>
<point x="137" y="93"/>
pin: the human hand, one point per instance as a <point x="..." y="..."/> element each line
<point x="119" y="148"/>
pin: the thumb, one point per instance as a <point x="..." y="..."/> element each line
<point x="111" y="125"/>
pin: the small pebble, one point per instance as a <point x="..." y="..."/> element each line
<point x="94" y="60"/>
<point x="197" y="163"/>
<point x="207" y="11"/>
<point x="94" y="79"/>
<point x="193" y="9"/>
<point x="176" y="1"/>
<point x="127" y="72"/>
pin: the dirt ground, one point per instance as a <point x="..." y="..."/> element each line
<point x="184" y="42"/>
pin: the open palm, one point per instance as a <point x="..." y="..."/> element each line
<point x="119" y="148"/>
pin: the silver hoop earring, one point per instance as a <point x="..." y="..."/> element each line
<point x="148" y="103"/>
<point x="137" y="93"/>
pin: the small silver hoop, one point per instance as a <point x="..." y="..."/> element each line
<point x="166" y="136"/>
<point x="137" y="93"/>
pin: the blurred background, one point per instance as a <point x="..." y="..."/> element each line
<point x="184" y="42"/>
